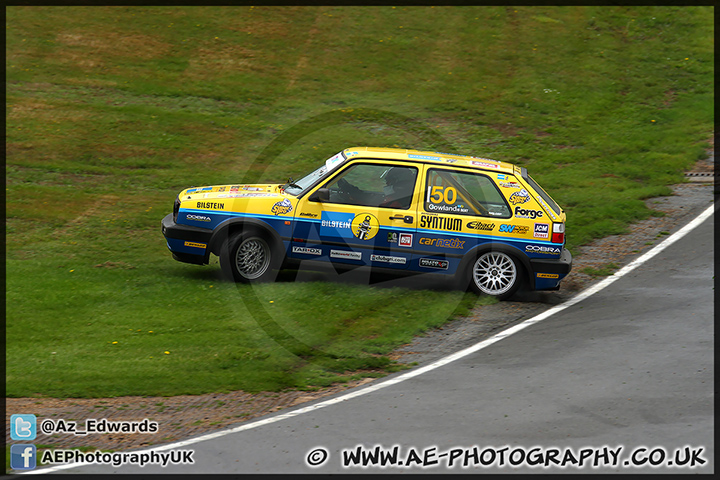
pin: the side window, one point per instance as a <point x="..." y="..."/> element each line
<point x="374" y="185"/>
<point x="463" y="193"/>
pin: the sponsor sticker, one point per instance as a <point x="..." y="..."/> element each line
<point x="307" y="250"/>
<point x="548" y="275"/>
<point x="346" y="254"/>
<point x="485" y="164"/>
<point x="211" y="205"/>
<point x="447" y="208"/>
<point x="336" y="224"/>
<point x="281" y="208"/>
<point x="433" y="263"/>
<point x="423" y="157"/>
<point x="440" y="223"/>
<point x="195" y="244"/>
<point x="365" y="226"/>
<point x="516" y="229"/>
<point x="527" y="213"/>
<point x="442" y="242"/>
<point x="520" y="197"/>
<point x="388" y="259"/>
<point x="245" y="195"/>
<point x="405" y="240"/>
<point x="198" y="218"/>
<point x="542" y="230"/>
<point x="346" y="225"/>
<point x="542" y="249"/>
<point x="547" y="207"/>
<point x="478" y="225"/>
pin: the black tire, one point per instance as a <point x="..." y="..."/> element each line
<point x="494" y="273"/>
<point x="249" y="257"/>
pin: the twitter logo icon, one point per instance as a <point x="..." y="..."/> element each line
<point x="23" y="427"/>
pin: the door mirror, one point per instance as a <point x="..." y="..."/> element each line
<point x="320" y="195"/>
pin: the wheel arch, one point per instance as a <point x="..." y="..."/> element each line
<point x="234" y="225"/>
<point x="515" y="252"/>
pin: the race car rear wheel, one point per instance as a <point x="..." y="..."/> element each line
<point x="495" y="273"/>
<point x="248" y="257"/>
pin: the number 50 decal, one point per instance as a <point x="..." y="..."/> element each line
<point x="442" y="194"/>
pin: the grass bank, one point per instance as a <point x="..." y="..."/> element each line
<point x="110" y="111"/>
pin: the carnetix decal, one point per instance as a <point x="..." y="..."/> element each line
<point x="442" y="242"/>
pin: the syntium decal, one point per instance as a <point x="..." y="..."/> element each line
<point x="440" y="223"/>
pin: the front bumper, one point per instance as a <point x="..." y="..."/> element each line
<point x="187" y="244"/>
<point x="548" y="273"/>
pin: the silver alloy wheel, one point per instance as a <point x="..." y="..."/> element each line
<point x="252" y="258"/>
<point x="494" y="273"/>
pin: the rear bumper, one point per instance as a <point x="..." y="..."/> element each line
<point x="548" y="273"/>
<point x="187" y="244"/>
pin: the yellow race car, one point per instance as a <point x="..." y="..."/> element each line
<point x="485" y="223"/>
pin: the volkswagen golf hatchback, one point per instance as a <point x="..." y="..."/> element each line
<point x="485" y="224"/>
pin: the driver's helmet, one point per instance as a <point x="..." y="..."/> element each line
<point x="399" y="180"/>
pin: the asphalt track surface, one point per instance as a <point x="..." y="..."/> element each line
<point x="628" y="370"/>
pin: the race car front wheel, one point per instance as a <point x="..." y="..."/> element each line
<point x="248" y="257"/>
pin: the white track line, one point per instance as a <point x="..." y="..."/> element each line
<point x="439" y="363"/>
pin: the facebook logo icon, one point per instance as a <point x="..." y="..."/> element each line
<point x="22" y="457"/>
<point x="23" y="427"/>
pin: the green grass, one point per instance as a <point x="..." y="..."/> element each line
<point x="110" y="111"/>
<point x="604" y="271"/>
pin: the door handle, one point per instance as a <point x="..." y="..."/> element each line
<point x="406" y="218"/>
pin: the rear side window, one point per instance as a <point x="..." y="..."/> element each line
<point x="464" y="193"/>
<point x="543" y="194"/>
